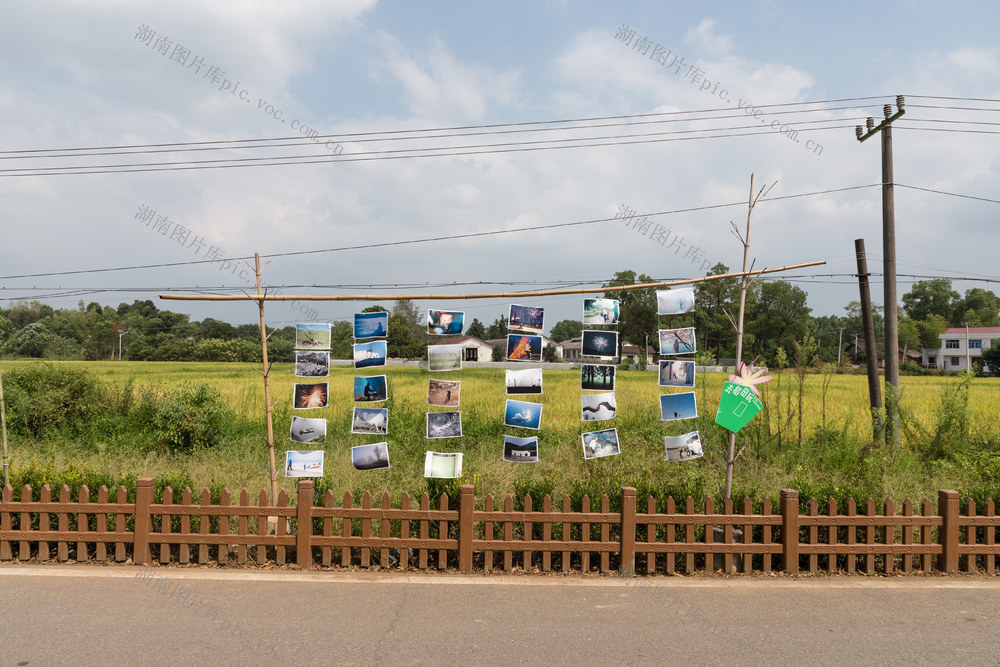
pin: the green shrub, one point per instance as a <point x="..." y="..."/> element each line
<point x="192" y="416"/>
<point x="44" y="398"/>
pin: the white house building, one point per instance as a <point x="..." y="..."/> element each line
<point x="473" y="349"/>
<point x="959" y="349"/>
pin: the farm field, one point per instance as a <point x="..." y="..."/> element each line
<point x="835" y="456"/>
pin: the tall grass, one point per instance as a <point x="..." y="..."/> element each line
<point x="948" y="441"/>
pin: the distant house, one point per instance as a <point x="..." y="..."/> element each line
<point x="902" y="354"/>
<point x="958" y="351"/>
<point x="473" y="349"/>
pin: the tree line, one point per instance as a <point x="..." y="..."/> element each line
<point x="777" y="316"/>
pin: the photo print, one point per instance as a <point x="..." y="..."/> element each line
<point x="443" y="393"/>
<point x="597" y="376"/>
<point x="520" y="450"/>
<point x="304" y="464"/>
<point x="528" y="381"/>
<point x="683" y="447"/>
<point x="445" y="322"/>
<point x="596" y="407"/>
<point x="676" y="373"/>
<point x="444" y="424"/>
<point x="312" y="364"/>
<point x="312" y="336"/>
<point x="370" y="388"/>
<point x="371" y="325"/>
<point x="309" y="396"/>
<point x="370" y="354"/>
<point x="526" y="319"/>
<point x="443" y="465"/>
<point x="523" y="414"/>
<point x="370" y="421"/>
<point x="677" y="341"/>
<point x="524" y="348"/>
<point x="599" y="444"/>
<point x="678" y="406"/>
<point x="600" y="311"/>
<point x="602" y="344"/>
<point x="308" y="431"/>
<point x="444" y="357"/>
<point x="370" y="457"/>
<point x="675" y="301"/>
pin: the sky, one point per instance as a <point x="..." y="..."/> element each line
<point x="331" y="80"/>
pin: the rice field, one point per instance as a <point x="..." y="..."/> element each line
<point x="837" y="455"/>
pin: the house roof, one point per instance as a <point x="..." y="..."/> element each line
<point x="455" y="340"/>
<point x="960" y="331"/>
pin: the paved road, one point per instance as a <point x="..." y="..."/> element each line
<point x="94" y="614"/>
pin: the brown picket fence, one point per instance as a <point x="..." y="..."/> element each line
<point x="670" y="539"/>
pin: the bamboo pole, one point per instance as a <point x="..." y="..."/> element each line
<point x="3" y="436"/>
<point x="489" y="295"/>
<point x="260" y="298"/>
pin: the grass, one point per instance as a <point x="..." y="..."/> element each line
<point x="834" y="458"/>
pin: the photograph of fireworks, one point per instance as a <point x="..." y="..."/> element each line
<point x="602" y="344"/>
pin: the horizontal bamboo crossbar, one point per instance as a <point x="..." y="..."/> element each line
<point x="487" y="295"/>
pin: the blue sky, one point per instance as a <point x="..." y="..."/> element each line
<point x="75" y="75"/>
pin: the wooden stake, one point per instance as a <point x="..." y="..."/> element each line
<point x="490" y="295"/>
<point x="3" y="436"/>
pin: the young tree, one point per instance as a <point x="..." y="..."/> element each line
<point x="549" y="354"/>
<point x="930" y="297"/>
<point x="476" y="329"/>
<point x="498" y="329"/>
<point x="565" y="330"/>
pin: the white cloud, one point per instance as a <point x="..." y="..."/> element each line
<point x="702" y="38"/>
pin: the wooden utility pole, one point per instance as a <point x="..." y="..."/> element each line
<point x="744" y="284"/>
<point x="889" y="261"/>
<point x="871" y="353"/>
<point x="267" y="385"/>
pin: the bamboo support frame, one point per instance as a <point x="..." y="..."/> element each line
<point x="488" y="295"/>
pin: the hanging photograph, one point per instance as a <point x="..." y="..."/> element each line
<point x="524" y="348"/>
<point x="443" y="393"/>
<point x="526" y="319"/>
<point x="683" y="447"/>
<point x="309" y="396"/>
<point x="677" y="341"/>
<point x="444" y="357"/>
<point x="309" y="431"/>
<point x="312" y="336"/>
<point x="444" y="424"/>
<point x="370" y="354"/>
<point x="523" y="414"/>
<point x="304" y="464"/>
<point x="371" y="325"/>
<point x="676" y="373"/>
<point x="595" y="407"/>
<point x="370" y="457"/>
<point x="600" y="311"/>
<point x="597" y="376"/>
<point x="675" y="301"/>
<point x="445" y="322"/>
<point x="520" y="450"/>
<point x="370" y="388"/>
<point x="678" y="406"/>
<point x="602" y="344"/>
<point x="599" y="444"/>
<point x="527" y="381"/>
<point x="312" y="364"/>
<point x="443" y="465"/>
<point x="370" y="421"/>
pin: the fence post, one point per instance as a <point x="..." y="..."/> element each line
<point x="627" y="537"/>
<point x="303" y="525"/>
<point x="790" y="530"/>
<point x="467" y="501"/>
<point x="948" y="533"/>
<point x="140" y="536"/>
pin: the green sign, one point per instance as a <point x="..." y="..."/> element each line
<point x="737" y="406"/>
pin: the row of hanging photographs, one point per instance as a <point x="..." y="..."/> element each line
<point x="375" y="456"/>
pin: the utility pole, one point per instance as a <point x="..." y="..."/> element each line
<point x="120" y="334"/>
<point x="889" y="260"/>
<point x="968" y="353"/>
<point x="871" y="353"/>
<point x="3" y="436"/>
<point x="840" y="344"/>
